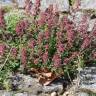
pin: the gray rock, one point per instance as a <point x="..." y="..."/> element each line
<point x="83" y="94"/>
<point x="26" y="84"/>
<point x="4" y="4"/>
<point x="21" y="94"/>
<point x="88" y="4"/>
<point x="6" y="1"/>
<point x="33" y="95"/>
<point x="63" y="5"/>
<point x="77" y="18"/>
<point x="21" y="3"/>
<point x="91" y="24"/>
<point x="53" y="88"/>
<point x="5" y="93"/>
<point x="11" y="93"/>
<point x="87" y="78"/>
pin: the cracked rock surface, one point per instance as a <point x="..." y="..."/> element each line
<point x="87" y="78"/>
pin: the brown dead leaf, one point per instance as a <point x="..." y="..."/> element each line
<point x="44" y="76"/>
<point x="42" y="80"/>
<point x="49" y="81"/>
<point x="47" y="78"/>
<point x="45" y="70"/>
<point x="33" y="70"/>
<point x="47" y="74"/>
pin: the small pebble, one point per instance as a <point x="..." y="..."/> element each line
<point x="53" y="94"/>
<point x="66" y="94"/>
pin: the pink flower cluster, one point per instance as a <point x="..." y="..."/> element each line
<point x="94" y="55"/>
<point x="67" y="60"/>
<point x="2" y="49"/>
<point x="21" y="26"/>
<point x="32" y="43"/>
<point x="14" y="52"/>
<point x="45" y="57"/>
<point x="40" y="38"/>
<point x="69" y="27"/>
<point x="62" y="32"/>
<point x="36" y="61"/>
<point x="57" y="60"/>
<point x="47" y="35"/>
<point x="48" y="17"/>
<point x="52" y="40"/>
<point x="35" y="10"/>
<point x="83" y="26"/>
<point x="2" y="21"/>
<point x="60" y="46"/>
<point x="24" y="56"/>
<point x="94" y="31"/>
<point x="86" y="42"/>
<point x="28" y="6"/>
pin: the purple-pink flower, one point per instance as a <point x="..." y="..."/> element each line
<point x="59" y="35"/>
<point x="83" y="26"/>
<point x="32" y="43"/>
<point x="28" y="6"/>
<point x="2" y="21"/>
<point x="70" y="37"/>
<point x="21" y="26"/>
<point x="2" y="49"/>
<point x="47" y="35"/>
<point x="35" y="10"/>
<point x="40" y="38"/>
<point x="45" y="57"/>
<point x="46" y="47"/>
<point x="14" y="52"/>
<point x="86" y="42"/>
<point x="60" y="48"/>
<point x="24" y="56"/>
<point x="94" y="31"/>
<point x="36" y="61"/>
<point x="73" y="55"/>
<point x="42" y="19"/>
<point x="94" y="55"/>
<point x="66" y="61"/>
<point x="56" y="60"/>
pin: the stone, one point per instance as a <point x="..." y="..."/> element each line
<point x="53" y="94"/>
<point x="5" y="93"/>
<point x="77" y="18"/>
<point x="88" y="4"/>
<point x="83" y="94"/>
<point x="8" y="4"/>
<point x="87" y="77"/>
<point x="26" y="83"/>
<point x="63" y="5"/>
<point x="21" y="3"/>
<point x="6" y="1"/>
<point x="53" y="88"/>
<point x="91" y="24"/>
<point x="21" y="94"/>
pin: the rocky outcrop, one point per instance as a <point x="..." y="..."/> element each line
<point x="88" y="4"/>
<point x="63" y="5"/>
<point x="25" y="85"/>
<point x="87" y="78"/>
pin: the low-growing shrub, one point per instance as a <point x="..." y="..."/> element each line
<point x="45" y="41"/>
